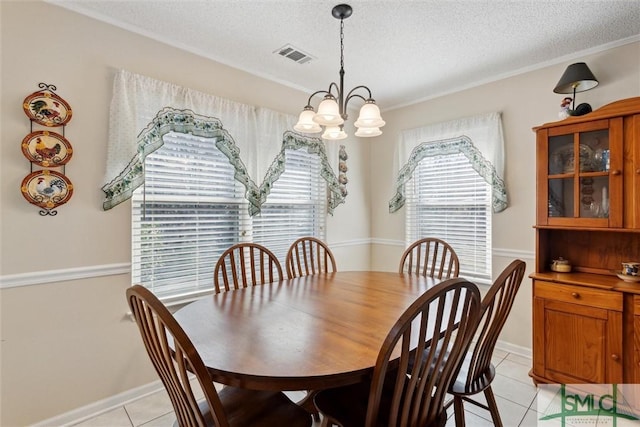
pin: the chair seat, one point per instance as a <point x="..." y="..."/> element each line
<point x="460" y="386"/>
<point x="479" y="384"/>
<point x="257" y="408"/>
<point x="349" y="404"/>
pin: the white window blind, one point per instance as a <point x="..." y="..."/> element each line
<point x="191" y="209"/>
<point x="295" y="207"/>
<point x="447" y="199"/>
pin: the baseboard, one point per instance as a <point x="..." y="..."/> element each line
<point x="515" y="349"/>
<point x="96" y="408"/>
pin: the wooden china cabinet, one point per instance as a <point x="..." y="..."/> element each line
<point x="586" y="323"/>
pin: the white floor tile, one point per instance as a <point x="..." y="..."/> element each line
<point x="471" y="420"/>
<point x="163" y="421"/>
<point x="515" y="371"/>
<point x="523" y="360"/>
<point x="149" y="408"/>
<point x="296" y="396"/>
<point x="510" y="389"/>
<point x="115" y="418"/>
<point x="530" y="419"/>
<point x="499" y="354"/>
<point x="511" y="413"/>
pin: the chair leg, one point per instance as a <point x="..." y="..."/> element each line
<point x="493" y="407"/>
<point x="458" y="411"/>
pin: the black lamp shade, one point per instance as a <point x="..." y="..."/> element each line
<point x="576" y="78"/>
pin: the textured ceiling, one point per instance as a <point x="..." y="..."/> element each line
<point x="404" y="51"/>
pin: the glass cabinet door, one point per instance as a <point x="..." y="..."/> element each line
<point x="578" y="175"/>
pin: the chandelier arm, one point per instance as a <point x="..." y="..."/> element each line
<point x="360" y="87"/>
<point x="338" y="90"/>
<point x="352" y="94"/>
<point x="318" y="92"/>
<point x="355" y="95"/>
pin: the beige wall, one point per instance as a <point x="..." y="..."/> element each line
<point x="67" y="343"/>
<point x="525" y="101"/>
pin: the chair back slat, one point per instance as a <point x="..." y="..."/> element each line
<point x="496" y="306"/>
<point x="417" y="381"/>
<point x="430" y="257"/>
<point x="244" y="265"/>
<point x="175" y="359"/>
<point x="308" y="256"/>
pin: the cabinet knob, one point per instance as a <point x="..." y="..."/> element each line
<point x="615" y="357"/>
<point x="615" y="172"/>
<point x="575" y="294"/>
<point x="638" y="171"/>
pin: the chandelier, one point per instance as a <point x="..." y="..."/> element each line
<point x="332" y="111"/>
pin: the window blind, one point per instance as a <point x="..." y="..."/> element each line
<point x="447" y="199"/>
<point x="191" y="209"/>
<point x="295" y="207"/>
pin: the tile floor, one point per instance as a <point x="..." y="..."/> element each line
<point x="514" y="390"/>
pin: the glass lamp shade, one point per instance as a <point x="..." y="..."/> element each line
<point x="328" y="112"/>
<point x="368" y="132"/>
<point x="334" y="133"/>
<point x="576" y="78"/>
<point x="369" y="116"/>
<point x="305" y="122"/>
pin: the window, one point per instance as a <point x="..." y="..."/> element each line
<point x="447" y="199"/>
<point x="191" y="209"/>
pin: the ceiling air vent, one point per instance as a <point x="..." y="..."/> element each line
<point x="294" y="54"/>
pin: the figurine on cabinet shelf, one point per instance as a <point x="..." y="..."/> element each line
<point x="580" y="110"/>
<point x="564" y="107"/>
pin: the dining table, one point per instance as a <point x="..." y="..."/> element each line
<point x="306" y="333"/>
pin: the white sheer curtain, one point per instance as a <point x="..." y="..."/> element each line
<point x="479" y="138"/>
<point x="144" y="109"/>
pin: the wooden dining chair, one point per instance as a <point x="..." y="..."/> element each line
<point x="244" y="265"/>
<point x="430" y="257"/>
<point x="176" y="360"/>
<point x="477" y="371"/>
<point x="307" y="256"/>
<point x="395" y="394"/>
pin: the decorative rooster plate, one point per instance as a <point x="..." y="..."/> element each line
<point x="47" y="109"/>
<point x="47" y="149"/>
<point x="47" y="189"/>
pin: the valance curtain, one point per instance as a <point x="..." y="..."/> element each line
<point x="254" y="139"/>
<point x="479" y="138"/>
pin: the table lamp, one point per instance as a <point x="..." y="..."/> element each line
<point x="577" y="78"/>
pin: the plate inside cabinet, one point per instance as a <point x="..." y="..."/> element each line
<point x="562" y="161"/>
<point x="47" y="149"/>
<point x="47" y="109"/>
<point x="46" y="188"/>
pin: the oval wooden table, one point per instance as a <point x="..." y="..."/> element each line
<point x="311" y="332"/>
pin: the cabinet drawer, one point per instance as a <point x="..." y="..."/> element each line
<point x="609" y="300"/>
